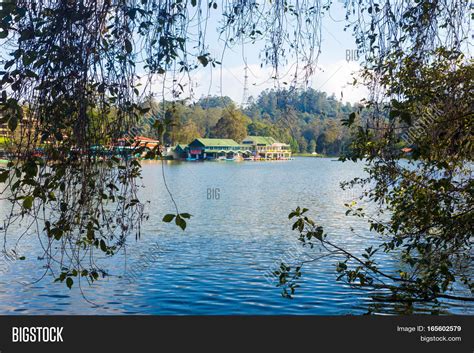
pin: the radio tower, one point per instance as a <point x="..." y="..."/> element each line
<point x="245" y="96"/>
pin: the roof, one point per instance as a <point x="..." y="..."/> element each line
<point x="137" y="138"/>
<point x="260" y="140"/>
<point x="215" y="142"/>
<point x="180" y="146"/>
<point x="145" y="139"/>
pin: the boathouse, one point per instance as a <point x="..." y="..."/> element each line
<point x="129" y="146"/>
<point x="179" y="151"/>
<point x="137" y="141"/>
<point x="209" y="148"/>
<point x="267" y="147"/>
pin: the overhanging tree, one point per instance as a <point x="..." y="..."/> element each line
<point x="417" y="145"/>
<point x="75" y="69"/>
<point x="70" y="61"/>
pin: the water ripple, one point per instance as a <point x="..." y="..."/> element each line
<point x="218" y="265"/>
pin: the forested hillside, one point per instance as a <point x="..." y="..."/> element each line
<point x="309" y="120"/>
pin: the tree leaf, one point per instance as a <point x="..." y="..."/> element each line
<point x="28" y="202"/>
<point x="12" y="123"/>
<point x="128" y="46"/>
<point x="168" y="218"/>
<point x="203" y="60"/>
<point x="4" y="176"/>
<point x="180" y="222"/>
<point x="103" y="246"/>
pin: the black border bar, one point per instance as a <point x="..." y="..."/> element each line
<point x="244" y="333"/>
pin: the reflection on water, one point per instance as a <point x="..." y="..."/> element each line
<point x="239" y="230"/>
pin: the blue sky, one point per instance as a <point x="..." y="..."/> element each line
<point x="332" y="74"/>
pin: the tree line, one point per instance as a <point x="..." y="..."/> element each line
<point x="307" y="119"/>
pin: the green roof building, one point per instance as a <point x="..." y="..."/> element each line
<point x="180" y="148"/>
<point x="179" y="151"/>
<point x="266" y="147"/>
<point x="208" y="148"/>
<point x="207" y="142"/>
<point x="252" y="147"/>
<point x="258" y="140"/>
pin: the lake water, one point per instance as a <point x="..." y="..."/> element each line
<point x="220" y="264"/>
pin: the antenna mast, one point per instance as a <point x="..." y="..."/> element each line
<point x="245" y="97"/>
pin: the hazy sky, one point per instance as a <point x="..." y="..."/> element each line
<point x="332" y="75"/>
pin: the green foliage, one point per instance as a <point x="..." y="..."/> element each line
<point x="168" y="218"/>
<point x="417" y="278"/>
<point x="215" y="102"/>
<point x="430" y="196"/>
<point x="71" y="82"/>
<point x="28" y="202"/>
<point x="415" y="136"/>
<point x="232" y="125"/>
<point x="307" y="128"/>
<point x="180" y="219"/>
<point x="300" y="116"/>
